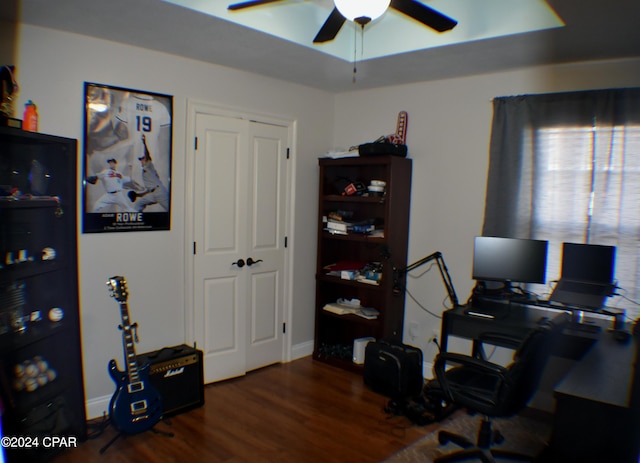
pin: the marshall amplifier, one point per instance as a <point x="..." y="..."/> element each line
<point x="176" y="372"/>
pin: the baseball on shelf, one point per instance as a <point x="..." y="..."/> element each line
<point x="18" y="370"/>
<point x="56" y="314"/>
<point x="18" y="384"/>
<point x="48" y="253"/>
<point x="42" y="364"/>
<point x="42" y="380"/>
<point x="31" y="384"/>
<point x="31" y="369"/>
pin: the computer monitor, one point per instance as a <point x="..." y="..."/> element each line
<point x="509" y="260"/>
<point x="588" y="262"/>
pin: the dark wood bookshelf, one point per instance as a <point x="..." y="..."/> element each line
<point x="335" y="334"/>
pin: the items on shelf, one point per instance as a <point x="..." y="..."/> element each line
<point x="344" y="186"/>
<point x="22" y="256"/>
<point x="342" y="223"/>
<point x="33" y="374"/>
<point x="359" y="349"/>
<point x="355" y="188"/>
<point x="18" y="257"/>
<point x="377" y="188"/>
<point x="340" y="216"/>
<point x="335" y="351"/>
<point x="358" y="188"/>
<point x="363" y="272"/>
<point x="339" y="153"/>
<point x="48" y="253"/>
<point x="351" y="307"/>
<point x="381" y="147"/>
<point x="56" y="314"/>
<point x="30" y="118"/>
<point x="8" y="93"/>
<point x="12" y="301"/>
<point x="27" y="179"/>
<point x="393" y="144"/>
<point x="13" y="316"/>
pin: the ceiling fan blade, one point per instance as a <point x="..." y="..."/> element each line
<point x="330" y="28"/>
<point x="427" y="16"/>
<point x="243" y="5"/>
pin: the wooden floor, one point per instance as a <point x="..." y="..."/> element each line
<point x="303" y="411"/>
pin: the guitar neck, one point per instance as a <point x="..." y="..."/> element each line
<point x="128" y="341"/>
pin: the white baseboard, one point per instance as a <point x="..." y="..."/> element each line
<point x="95" y="408"/>
<point x="301" y="350"/>
<point x="427" y="370"/>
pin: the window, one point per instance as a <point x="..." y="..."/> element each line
<point x="566" y="168"/>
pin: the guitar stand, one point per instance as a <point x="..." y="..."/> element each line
<point x="117" y="436"/>
<point x="106" y="447"/>
<point x="162" y="433"/>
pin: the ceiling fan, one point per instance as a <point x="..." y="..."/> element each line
<point x="339" y="15"/>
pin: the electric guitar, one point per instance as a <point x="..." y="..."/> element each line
<point x="136" y="406"/>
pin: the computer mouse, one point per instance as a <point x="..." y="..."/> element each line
<point x="621" y="336"/>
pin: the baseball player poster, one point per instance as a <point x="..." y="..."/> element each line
<point x="127" y="160"/>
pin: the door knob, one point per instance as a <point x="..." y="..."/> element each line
<point x="250" y="261"/>
<point x="239" y="263"/>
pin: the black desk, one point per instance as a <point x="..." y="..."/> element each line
<point x="510" y="324"/>
<point x="594" y="418"/>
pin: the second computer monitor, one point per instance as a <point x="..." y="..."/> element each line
<point x="510" y="260"/>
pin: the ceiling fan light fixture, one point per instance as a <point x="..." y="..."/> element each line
<point x="359" y="9"/>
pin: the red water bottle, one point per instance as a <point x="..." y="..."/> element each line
<point x="30" y="118"/>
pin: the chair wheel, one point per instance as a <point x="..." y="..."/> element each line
<point x="443" y="438"/>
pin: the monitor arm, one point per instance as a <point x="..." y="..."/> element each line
<point x="399" y="274"/>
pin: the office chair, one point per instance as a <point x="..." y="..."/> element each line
<point x="492" y="390"/>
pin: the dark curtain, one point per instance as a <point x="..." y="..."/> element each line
<point x="566" y="167"/>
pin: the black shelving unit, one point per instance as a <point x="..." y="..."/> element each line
<point x="41" y="379"/>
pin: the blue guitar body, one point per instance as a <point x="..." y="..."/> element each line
<point x="134" y="407"/>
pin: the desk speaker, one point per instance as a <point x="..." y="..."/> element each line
<point x="176" y="372"/>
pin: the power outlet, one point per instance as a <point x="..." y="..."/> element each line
<point x="414" y="329"/>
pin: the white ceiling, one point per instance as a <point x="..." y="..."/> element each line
<point x="300" y="20"/>
<point x="595" y="29"/>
